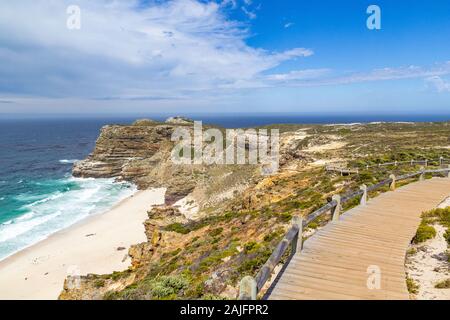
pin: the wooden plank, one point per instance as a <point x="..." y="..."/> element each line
<point x="339" y="287"/>
<point x="334" y="261"/>
<point x="345" y="275"/>
<point x="350" y="261"/>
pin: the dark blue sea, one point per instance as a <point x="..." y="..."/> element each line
<point x="38" y="195"/>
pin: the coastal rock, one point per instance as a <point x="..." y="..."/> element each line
<point x="96" y="169"/>
<point x="144" y="122"/>
<point x="140" y="254"/>
<point x="179" y="120"/>
<point x="139" y="153"/>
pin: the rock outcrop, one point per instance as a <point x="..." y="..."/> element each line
<point x="139" y="153"/>
<point x="119" y="146"/>
<point x="179" y="120"/>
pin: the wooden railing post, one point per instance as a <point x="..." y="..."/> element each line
<point x="422" y="174"/>
<point x="394" y="180"/>
<point x="247" y="289"/>
<point x="297" y="243"/>
<point x="426" y="162"/>
<point x="364" y="199"/>
<point x="336" y="211"/>
<point x="249" y="286"/>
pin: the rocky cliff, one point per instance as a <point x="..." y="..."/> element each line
<point x="139" y="153"/>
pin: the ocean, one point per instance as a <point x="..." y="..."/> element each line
<point x="38" y="195"/>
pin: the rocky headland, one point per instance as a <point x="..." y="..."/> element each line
<point x="221" y="222"/>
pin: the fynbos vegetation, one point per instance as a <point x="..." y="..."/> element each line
<point x="241" y="215"/>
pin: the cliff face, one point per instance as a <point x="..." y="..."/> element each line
<point x="139" y="153"/>
<point x="119" y="146"/>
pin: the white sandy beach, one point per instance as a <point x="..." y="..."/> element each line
<point x="90" y="246"/>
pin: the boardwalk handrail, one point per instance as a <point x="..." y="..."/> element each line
<point x="250" y="287"/>
<point x="395" y="163"/>
<point x="424" y="162"/>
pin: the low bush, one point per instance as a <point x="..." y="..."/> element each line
<point x="445" y="284"/>
<point x="168" y="286"/>
<point x="412" y="286"/>
<point x="424" y="233"/>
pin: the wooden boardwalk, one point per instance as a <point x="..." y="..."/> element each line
<point x="336" y="262"/>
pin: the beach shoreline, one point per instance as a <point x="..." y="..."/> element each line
<point x="98" y="244"/>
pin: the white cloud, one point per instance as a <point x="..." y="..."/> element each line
<point x="308" y="74"/>
<point x="288" y="25"/>
<point x="169" y="49"/>
<point x="438" y="83"/>
<point x="251" y="15"/>
<point x="398" y="73"/>
<point x="319" y="77"/>
<point x="229" y="3"/>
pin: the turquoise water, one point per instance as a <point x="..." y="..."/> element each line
<point x="38" y="195"/>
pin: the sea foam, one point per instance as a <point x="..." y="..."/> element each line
<point x="46" y="214"/>
<point x="65" y="161"/>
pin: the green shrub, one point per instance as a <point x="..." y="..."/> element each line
<point x="274" y="235"/>
<point x="99" y="283"/>
<point x="440" y="215"/>
<point x="365" y="177"/>
<point x="424" y="233"/>
<point x="445" y="284"/>
<point x="116" y="275"/>
<point x="313" y="225"/>
<point x="447" y="236"/>
<point x="175" y="252"/>
<point x="412" y="286"/>
<point x="285" y="216"/>
<point x="168" y="286"/>
<point x="111" y="295"/>
<point x="250" y="247"/>
<point x="344" y="131"/>
<point x="216" y="232"/>
<point x="177" y="227"/>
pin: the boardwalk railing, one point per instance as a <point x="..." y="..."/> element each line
<point x="250" y="287"/>
<point x="342" y="170"/>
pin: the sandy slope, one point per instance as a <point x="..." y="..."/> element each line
<point x="429" y="265"/>
<point x="90" y="246"/>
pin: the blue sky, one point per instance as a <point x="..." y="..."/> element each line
<point x="224" y="56"/>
